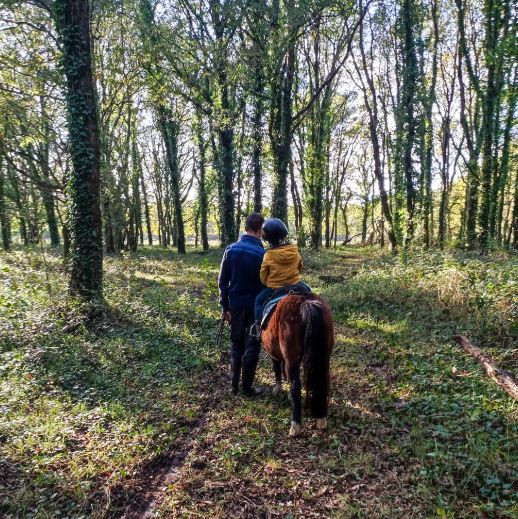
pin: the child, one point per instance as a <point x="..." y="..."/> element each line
<point x="281" y="265"/>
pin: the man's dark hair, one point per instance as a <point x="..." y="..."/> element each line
<point x="254" y="222"/>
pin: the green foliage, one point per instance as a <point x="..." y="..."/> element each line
<point x="416" y="428"/>
<point x="96" y="402"/>
<point x="466" y="293"/>
<point x="461" y="427"/>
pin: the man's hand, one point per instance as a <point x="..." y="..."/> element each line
<point x="226" y="316"/>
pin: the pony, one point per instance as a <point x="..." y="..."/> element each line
<point x="300" y="331"/>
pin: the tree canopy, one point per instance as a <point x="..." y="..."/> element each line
<point x="166" y="121"/>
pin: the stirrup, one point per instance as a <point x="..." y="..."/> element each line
<point x="255" y="330"/>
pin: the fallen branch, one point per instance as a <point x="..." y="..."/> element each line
<point x="348" y="240"/>
<point x="507" y="381"/>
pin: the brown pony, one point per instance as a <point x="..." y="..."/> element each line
<point x="301" y="332"/>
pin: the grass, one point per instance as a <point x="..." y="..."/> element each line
<point x="91" y="413"/>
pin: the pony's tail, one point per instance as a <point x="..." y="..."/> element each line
<point x="315" y="357"/>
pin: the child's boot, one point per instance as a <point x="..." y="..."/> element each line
<point x="255" y="329"/>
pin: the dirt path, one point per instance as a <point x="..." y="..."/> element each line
<point x="240" y="462"/>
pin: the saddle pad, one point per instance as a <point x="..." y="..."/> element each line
<point x="270" y="304"/>
<point x="268" y="309"/>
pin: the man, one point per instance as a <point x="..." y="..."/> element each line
<point x="239" y="283"/>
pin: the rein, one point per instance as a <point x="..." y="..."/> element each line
<point x="219" y="333"/>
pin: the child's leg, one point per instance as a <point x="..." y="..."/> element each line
<point x="305" y="284"/>
<point x="259" y="301"/>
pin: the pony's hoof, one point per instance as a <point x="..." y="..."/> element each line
<point x="322" y="424"/>
<point x="294" y="429"/>
<point x="277" y="389"/>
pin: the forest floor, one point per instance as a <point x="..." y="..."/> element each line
<point x="129" y="415"/>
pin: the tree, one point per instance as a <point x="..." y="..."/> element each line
<point x="406" y="124"/>
<point x="169" y="127"/>
<point x="72" y="20"/>
<point x="4" y="218"/>
<point x="428" y="96"/>
<point x="257" y="28"/>
<point x="207" y="109"/>
<point x="370" y="99"/>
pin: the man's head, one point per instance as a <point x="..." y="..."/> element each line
<point x="254" y="224"/>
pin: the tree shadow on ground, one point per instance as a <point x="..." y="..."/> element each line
<point x="394" y="376"/>
<point x="149" y="375"/>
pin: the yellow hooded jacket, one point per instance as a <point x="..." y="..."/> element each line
<point x="281" y="266"/>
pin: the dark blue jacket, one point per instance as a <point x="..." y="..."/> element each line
<point x="239" y="281"/>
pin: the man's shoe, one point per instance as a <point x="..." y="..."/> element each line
<point x="253" y="392"/>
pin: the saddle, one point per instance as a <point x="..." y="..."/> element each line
<point x="271" y="303"/>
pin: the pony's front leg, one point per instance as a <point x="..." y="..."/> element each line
<point x="296" y="399"/>
<point x="277" y="369"/>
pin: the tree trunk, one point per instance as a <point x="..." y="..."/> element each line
<point x="49" y="204"/>
<point x="20" y="206"/>
<point x="4" y="218"/>
<point x="34" y="216"/>
<point x="514" y="221"/>
<point x="488" y="129"/>
<point x="224" y="124"/>
<point x="443" y="207"/>
<point x="346" y="221"/>
<point x="364" y="220"/>
<point x="86" y="258"/>
<point x="146" y="209"/>
<point x="469" y="233"/>
<point x="295" y="196"/>
<point x="109" y="243"/>
<point x="328" y="198"/>
<point x="239" y="172"/>
<point x="136" y="192"/>
<point x="507" y="381"/>
<point x="427" y="135"/>
<point x="46" y="190"/>
<point x="497" y="17"/>
<point x="202" y="185"/>
<point x="314" y="181"/>
<point x="226" y="139"/>
<point x="281" y="113"/>
<point x="258" y="11"/>
<point x="405" y="119"/>
<point x="372" y="110"/>
<point x="135" y="216"/>
<point x="503" y="170"/>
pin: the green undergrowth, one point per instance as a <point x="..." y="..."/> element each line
<point x="88" y="409"/>
<point x="460" y="428"/>
<point x="83" y="404"/>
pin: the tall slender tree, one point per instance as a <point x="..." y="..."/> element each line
<point x="167" y="123"/>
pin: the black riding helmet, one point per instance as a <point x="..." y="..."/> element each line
<point x="274" y="231"/>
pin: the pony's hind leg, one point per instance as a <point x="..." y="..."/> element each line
<point x="296" y="399"/>
<point x="277" y="369"/>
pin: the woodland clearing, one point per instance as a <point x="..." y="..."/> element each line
<point x="131" y="412"/>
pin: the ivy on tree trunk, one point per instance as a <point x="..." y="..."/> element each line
<point x="72" y="19"/>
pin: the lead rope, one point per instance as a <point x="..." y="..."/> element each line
<point x="219" y="333"/>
